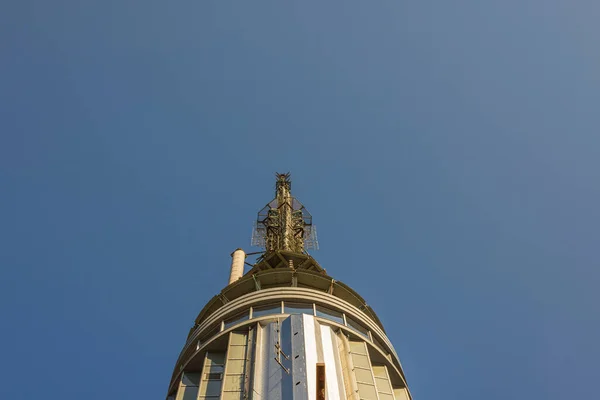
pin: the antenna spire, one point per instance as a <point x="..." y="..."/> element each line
<point x="284" y="223"/>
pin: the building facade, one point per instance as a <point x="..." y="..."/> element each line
<point x="285" y="329"/>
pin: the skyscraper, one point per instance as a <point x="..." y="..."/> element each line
<point x="285" y="329"/>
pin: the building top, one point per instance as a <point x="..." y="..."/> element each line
<point x="284" y="229"/>
<point x="242" y="341"/>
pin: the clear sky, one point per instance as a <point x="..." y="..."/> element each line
<point x="447" y="150"/>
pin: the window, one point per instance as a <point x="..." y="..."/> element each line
<point x="330" y="314"/>
<point x="213" y="376"/>
<point x="297" y="308"/>
<point x="190" y="379"/>
<point x="357" y="327"/>
<point x="188" y="390"/>
<point x="236" y="319"/>
<point x="210" y="333"/>
<point x="380" y="345"/>
<point x="266" y="310"/>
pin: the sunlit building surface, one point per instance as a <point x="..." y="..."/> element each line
<point x="285" y="329"/>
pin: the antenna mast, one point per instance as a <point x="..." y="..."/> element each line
<point x="284" y="223"/>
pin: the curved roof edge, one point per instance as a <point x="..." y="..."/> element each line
<point x="274" y="270"/>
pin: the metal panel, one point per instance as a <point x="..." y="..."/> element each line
<point x="273" y="371"/>
<point x="363" y="375"/>
<point x="236" y="352"/>
<point x="285" y="358"/>
<point x="383" y="385"/>
<point x="367" y="392"/>
<point x="360" y="360"/>
<point x="272" y="376"/>
<point x="298" y="356"/>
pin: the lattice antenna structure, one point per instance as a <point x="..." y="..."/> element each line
<point x="284" y="223"/>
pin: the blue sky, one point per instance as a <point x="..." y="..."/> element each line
<point x="448" y="151"/>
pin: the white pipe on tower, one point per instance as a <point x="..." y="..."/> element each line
<point x="238" y="257"/>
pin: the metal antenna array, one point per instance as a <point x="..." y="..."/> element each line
<point x="284" y="223"/>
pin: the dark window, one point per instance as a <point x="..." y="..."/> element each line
<point x="237" y="319"/>
<point x="297" y="308"/>
<point x="330" y="314"/>
<point x="266" y="310"/>
<point x="211" y="376"/>
<point x="320" y="381"/>
<point x="209" y="334"/>
<point x="357" y="327"/>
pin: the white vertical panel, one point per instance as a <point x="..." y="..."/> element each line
<point x="259" y="365"/>
<point x="310" y="345"/>
<point x="331" y="377"/>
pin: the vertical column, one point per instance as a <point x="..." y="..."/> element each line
<point x="233" y="382"/>
<point x="250" y="356"/>
<point x="238" y="257"/>
<point x="335" y="386"/>
<point x="350" y="385"/>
